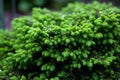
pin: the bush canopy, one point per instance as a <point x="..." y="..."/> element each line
<point x="80" y="42"/>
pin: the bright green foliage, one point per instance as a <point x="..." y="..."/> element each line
<point x="5" y="49"/>
<point x="5" y="46"/>
<point x="80" y="42"/>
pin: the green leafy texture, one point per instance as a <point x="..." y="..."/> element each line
<point x="82" y="40"/>
<point x="5" y="46"/>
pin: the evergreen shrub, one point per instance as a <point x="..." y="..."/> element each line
<point x="80" y="42"/>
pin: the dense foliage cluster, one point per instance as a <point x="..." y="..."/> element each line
<point x="82" y="41"/>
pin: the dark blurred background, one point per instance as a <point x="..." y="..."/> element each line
<point x="10" y="9"/>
